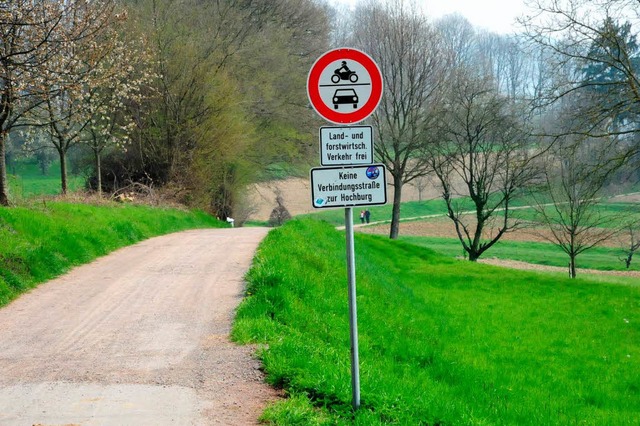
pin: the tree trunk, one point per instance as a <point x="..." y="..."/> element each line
<point x="395" y="216"/>
<point x="572" y="265"/>
<point x="63" y="171"/>
<point x="99" y="173"/>
<point x="4" y="183"/>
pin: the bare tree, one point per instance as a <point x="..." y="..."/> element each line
<point x="483" y="160"/>
<point x="421" y="184"/>
<point x="593" y="52"/>
<point x="458" y="38"/>
<point x="592" y="57"/>
<point x="407" y="49"/>
<point x="510" y="62"/>
<point x="632" y="241"/>
<point x="570" y="200"/>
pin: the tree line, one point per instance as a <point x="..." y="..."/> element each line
<point x="548" y="116"/>
<point x="194" y="96"/>
<point x="201" y="98"/>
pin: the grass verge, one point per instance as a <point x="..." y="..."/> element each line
<point x="39" y="243"/>
<point x="441" y="341"/>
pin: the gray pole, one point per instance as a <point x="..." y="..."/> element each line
<point x="353" y="312"/>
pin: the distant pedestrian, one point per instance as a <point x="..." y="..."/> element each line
<point x="367" y="215"/>
<point x="361" y="216"/>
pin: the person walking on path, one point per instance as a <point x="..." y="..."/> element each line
<point x="361" y="216"/>
<point x="367" y="215"/>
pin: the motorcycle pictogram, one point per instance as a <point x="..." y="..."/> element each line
<point x="344" y="73"/>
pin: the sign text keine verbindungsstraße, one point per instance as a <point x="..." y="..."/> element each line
<point x="348" y="187"/>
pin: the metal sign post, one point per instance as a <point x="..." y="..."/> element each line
<point x="345" y="87"/>
<point x="353" y="311"/>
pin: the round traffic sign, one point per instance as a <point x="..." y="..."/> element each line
<point x="344" y="86"/>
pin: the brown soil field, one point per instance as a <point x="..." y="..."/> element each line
<point x="296" y="193"/>
<point x="628" y="198"/>
<point x="443" y="227"/>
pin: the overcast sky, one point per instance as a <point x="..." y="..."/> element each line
<point x="496" y="15"/>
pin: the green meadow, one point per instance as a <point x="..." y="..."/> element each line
<point x="414" y="210"/>
<point x="442" y="341"/>
<point x="28" y="180"/>
<point x="42" y="240"/>
<point x="411" y="209"/>
<point x="541" y="253"/>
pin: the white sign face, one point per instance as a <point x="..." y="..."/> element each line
<point x="347" y="187"/>
<point x="345" y="91"/>
<point x="346" y="145"/>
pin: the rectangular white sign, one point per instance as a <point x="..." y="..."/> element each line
<point x="348" y="186"/>
<point x="346" y="145"/>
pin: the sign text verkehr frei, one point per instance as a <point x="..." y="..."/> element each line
<point x="346" y="145"/>
<point x="345" y="187"/>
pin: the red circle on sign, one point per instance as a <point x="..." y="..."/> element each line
<point x="313" y="86"/>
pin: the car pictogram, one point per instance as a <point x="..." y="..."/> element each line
<point x="345" y="96"/>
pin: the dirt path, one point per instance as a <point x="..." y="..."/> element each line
<point x="514" y="264"/>
<point x="139" y="337"/>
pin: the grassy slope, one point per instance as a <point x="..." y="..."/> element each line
<point x="441" y="341"/>
<point x="38" y="243"/>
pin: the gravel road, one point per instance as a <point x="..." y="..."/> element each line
<point x="139" y="337"/>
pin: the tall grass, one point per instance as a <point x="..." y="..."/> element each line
<point x="42" y="241"/>
<point x="441" y="341"/>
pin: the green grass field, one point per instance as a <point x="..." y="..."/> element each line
<point x="442" y="342"/>
<point x="28" y="181"/>
<point x="383" y="213"/>
<point x="415" y="209"/>
<point x="601" y="258"/>
<point x="41" y="241"/>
